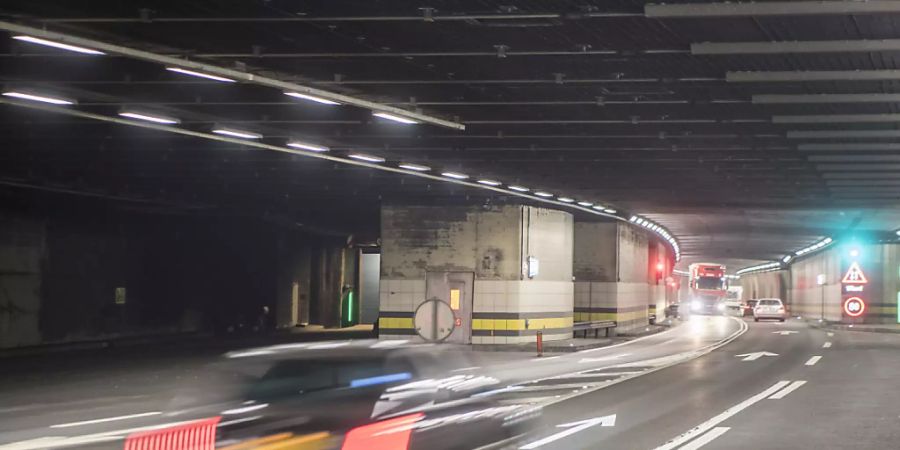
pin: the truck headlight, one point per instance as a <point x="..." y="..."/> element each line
<point x="696" y="304"/>
<point x="720" y="307"/>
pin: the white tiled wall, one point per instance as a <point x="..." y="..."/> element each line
<point x="401" y="295"/>
<point x="523" y="296"/>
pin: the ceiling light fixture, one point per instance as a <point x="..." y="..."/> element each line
<point x="39" y="98"/>
<point x="60" y="45"/>
<point x="308" y="146"/>
<point x="149" y="117"/>
<point x="199" y="74"/>
<point x="565" y="199"/>
<point x="609" y="211"/>
<point x="394" y="118"/>
<point x="585" y="204"/>
<point x="518" y="188"/>
<point x="367" y="158"/>
<point x="455" y="175"/>
<point x="415" y="167"/>
<point x="311" y="98"/>
<point x="543" y="194"/>
<point x="237" y="133"/>
<point x="490" y="182"/>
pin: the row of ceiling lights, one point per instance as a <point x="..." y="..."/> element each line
<point x="777" y="265"/>
<point x="661" y="231"/>
<point x="244" y="134"/>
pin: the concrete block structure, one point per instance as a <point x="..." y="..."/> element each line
<point x="507" y="270"/>
<point x="615" y="274"/>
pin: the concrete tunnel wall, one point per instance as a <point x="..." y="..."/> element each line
<point x="804" y="297"/>
<point x="492" y="243"/>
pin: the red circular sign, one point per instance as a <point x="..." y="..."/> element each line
<point x="854" y="306"/>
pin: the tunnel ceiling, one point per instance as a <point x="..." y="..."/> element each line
<point x="745" y="151"/>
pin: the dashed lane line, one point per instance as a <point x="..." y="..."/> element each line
<point x="706" y="438"/>
<point x="812" y="361"/>
<point x="826" y="345"/>
<point x="790" y="388"/>
<point x="725" y="415"/>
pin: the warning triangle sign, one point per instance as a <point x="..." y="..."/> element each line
<point x="854" y="275"/>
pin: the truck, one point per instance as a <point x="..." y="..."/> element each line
<point x="708" y="288"/>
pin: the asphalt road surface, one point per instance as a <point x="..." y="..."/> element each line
<point x="711" y="382"/>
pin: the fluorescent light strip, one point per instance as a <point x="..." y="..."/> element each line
<point x="199" y="74"/>
<point x="39" y="98"/>
<point x="609" y="211"/>
<point x="786" y="99"/>
<point x="490" y="182"/>
<point x="838" y="118"/>
<point x="393" y="117"/>
<point x="813" y="75"/>
<point x="60" y="45"/>
<point x="455" y="175"/>
<point x="311" y="98"/>
<point x="237" y="133"/>
<point x="518" y="188"/>
<point x="307" y="146"/>
<point x="585" y="204"/>
<point x="149" y="118"/>
<point x="367" y="158"/>
<point x="565" y="199"/>
<point x="789" y="47"/>
<point x="782" y="8"/>
<point x="415" y="167"/>
<point x="543" y="194"/>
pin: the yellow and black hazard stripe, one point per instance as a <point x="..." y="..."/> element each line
<point x="521" y="324"/>
<point x="396" y="323"/>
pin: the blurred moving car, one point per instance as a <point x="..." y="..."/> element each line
<point x="348" y="395"/>
<point x="748" y="307"/>
<point x="672" y="310"/>
<point x="769" y="308"/>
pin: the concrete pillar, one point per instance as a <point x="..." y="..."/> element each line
<point x="613" y="275"/>
<point x="495" y="245"/>
<point x="292" y="304"/>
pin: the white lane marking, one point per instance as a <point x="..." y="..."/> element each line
<point x="328" y="345"/>
<point x="830" y="334"/>
<point x="812" y="361"/>
<point x="573" y="427"/>
<point x="659" y="363"/>
<point x="106" y="419"/>
<point x="784" y="332"/>
<point x="826" y="345"/>
<point x="784" y="392"/>
<point x="705" y="439"/>
<point x="628" y="342"/>
<point x="466" y="368"/>
<point x="725" y="415"/>
<point x="546" y="358"/>
<point x="755" y="355"/>
<point x="605" y="358"/>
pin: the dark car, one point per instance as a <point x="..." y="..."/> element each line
<point x="347" y="395"/>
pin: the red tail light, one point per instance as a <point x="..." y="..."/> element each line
<point x="391" y="434"/>
<point x="196" y="435"/>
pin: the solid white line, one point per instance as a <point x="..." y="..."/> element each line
<point x="826" y="345"/>
<point x="784" y="392"/>
<point x="107" y="419"/>
<point x="664" y="363"/>
<point x="466" y="368"/>
<point x="725" y="415"/>
<point x="629" y="342"/>
<point x="830" y="334"/>
<point x="812" y="361"/>
<point x="546" y="358"/>
<point x="706" y="438"/>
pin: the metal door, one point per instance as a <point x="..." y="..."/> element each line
<point x="455" y="289"/>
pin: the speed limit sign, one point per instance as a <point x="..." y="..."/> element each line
<point x="854" y="306"/>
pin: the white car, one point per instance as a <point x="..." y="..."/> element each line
<point x="769" y="308"/>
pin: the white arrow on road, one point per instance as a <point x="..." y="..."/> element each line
<point x="607" y="358"/>
<point x="785" y="332"/>
<point x="755" y="355"/>
<point x="572" y="428"/>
